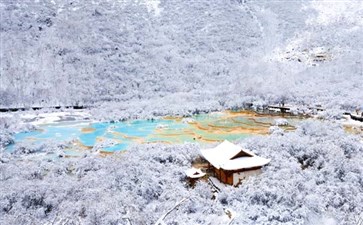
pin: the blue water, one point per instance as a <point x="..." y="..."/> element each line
<point x="123" y="132"/>
<point x="89" y="139"/>
<point x="118" y="136"/>
<point x="57" y="133"/>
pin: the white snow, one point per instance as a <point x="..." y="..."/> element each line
<point x="177" y="61"/>
<point x="54" y="117"/>
<point x="281" y="122"/>
<point x="347" y="121"/>
<point x="157" y="57"/>
<point x="194" y="173"/>
<point x="221" y="157"/>
<point x="188" y="120"/>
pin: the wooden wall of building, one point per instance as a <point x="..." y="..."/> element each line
<point x="233" y="177"/>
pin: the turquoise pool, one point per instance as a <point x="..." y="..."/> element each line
<point x="110" y="137"/>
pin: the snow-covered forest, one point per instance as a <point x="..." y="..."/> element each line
<point x="128" y="59"/>
<point x="208" y="54"/>
<point x="316" y="178"/>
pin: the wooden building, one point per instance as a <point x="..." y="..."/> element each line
<point x="232" y="164"/>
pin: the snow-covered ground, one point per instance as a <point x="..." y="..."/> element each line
<point x="151" y="58"/>
<point x="315" y="175"/>
<point x="102" y="54"/>
<point x="55" y="117"/>
<point x="347" y="121"/>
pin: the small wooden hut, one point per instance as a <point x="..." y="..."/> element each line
<point x="193" y="175"/>
<point x="232" y="164"/>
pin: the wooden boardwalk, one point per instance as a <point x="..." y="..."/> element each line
<point x="284" y="108"/>
<point x="14" y="109"/>
<point x="281" y="108"/>
<point x="356" y="117"/>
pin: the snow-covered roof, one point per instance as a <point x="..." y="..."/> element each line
<point x="194" y="173"/>
<point x="229" y="156"/>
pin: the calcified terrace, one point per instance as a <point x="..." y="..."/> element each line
<point x="203" y="128"/>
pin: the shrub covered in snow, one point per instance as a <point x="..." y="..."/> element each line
<point x="281" y="122"/>
<point x="275" y="130"/>
<point x="13" y="123"/>
<point x="6" y="139"/>
<point x="49" y="147"/>
<point x="315" y="176"/>
<point x="315" y="173"/>
<point x="126" y="59"/>
<point x="138" y="186"/>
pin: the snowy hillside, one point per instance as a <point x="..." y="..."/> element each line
<point x="221" y="53"/>
<point x="157" y="79"/>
